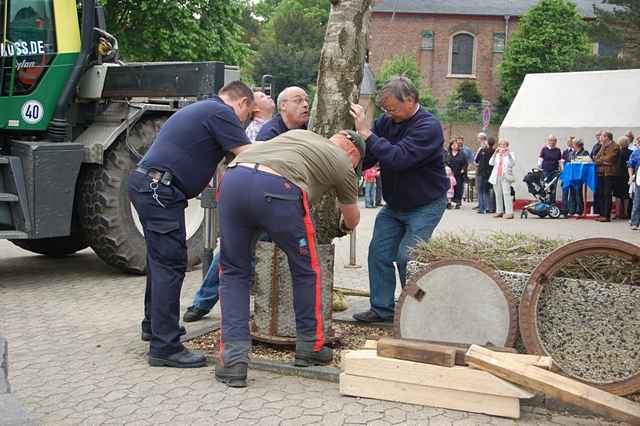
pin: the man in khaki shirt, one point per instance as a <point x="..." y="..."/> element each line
<point x="270" y="188"/>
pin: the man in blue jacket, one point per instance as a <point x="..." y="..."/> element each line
<point x="407" y="142"/>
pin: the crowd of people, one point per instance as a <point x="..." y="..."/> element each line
<point x="616" y="165"/>
<point x="616" y="174"/>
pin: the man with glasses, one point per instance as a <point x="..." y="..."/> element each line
<point x="293" y="107"/>
<point x="407" y="142"/>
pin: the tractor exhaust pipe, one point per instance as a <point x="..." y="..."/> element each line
<point x="59" y="129"/>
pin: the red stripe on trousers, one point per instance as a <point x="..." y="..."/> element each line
<point x="316" y="268"/>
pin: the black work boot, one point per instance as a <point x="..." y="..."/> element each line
<point x="306" y="357"/>
<point x="234" y="376"/>
<point x="194" y="314"/>
<point x="183" y="359"/>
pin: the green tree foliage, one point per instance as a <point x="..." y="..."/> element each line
<point x="289" y="44"/>
<point x="550" y="38"/>
<point x="464" y="103"/>
<point x="164" y="30"/>
<point x="617" y="25"/>
<point x="407" y="66"/>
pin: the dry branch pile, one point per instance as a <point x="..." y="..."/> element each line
<point x="522" y="253"/>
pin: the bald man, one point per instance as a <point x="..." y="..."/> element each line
<point x="293" y="107"/>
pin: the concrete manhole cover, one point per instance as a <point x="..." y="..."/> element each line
<point x="457" y="301"/>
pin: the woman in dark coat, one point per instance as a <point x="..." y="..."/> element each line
<point x="456" y="160"/>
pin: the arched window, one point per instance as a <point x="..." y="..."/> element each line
<point x="462" y="57"/>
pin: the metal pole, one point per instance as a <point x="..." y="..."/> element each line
<point x="210" y="205"/>
<point x="207" y="201"/>
<point x="352" y="251"/>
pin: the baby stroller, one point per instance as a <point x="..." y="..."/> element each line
<point x="542" y="190"/>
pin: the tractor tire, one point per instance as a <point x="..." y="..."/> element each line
<point x="56" y="247"/>
<point x="106" y="214"/>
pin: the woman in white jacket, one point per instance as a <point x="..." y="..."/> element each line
<point x="502" y="178"/>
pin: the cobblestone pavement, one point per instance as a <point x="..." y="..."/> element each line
<point x="75" y="357"/>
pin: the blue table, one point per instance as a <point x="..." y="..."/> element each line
<point x="576" y="174"/>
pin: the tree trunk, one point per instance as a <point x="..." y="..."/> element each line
<point x="339" y="77"/>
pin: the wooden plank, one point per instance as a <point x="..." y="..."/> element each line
<point x="370" y="344"/>
<point x="415" y="350"/>
<point x="369" y="387"/>
<point x="461" y="350"/>
<point x="367" y="364"/>
<point x="556" y="386"/>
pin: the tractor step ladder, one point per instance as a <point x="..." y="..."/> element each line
<point x="15" y="222"/>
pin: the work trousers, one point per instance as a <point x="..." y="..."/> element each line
<point x="504" y="202"/>
<point x="161" y="212"/>
<point x="252" y="201"/>
<point x="394" y="234"/>
<point x="604" y="190"/>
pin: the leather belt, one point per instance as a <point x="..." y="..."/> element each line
<point x="165" y="178"/>
<point x="259" y="167"/>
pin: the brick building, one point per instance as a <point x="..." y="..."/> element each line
<point x="452" y="40"/>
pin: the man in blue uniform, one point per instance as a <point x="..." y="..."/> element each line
<point x="407" y="142"/>
<point x="177" y="167"/>
<point x="293" y="104"/>
<point x="293" y="113"/>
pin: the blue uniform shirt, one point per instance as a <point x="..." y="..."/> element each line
<point x="411" y="160"/>
<point x="273" y="128"/>
<point x="193" y="141"/>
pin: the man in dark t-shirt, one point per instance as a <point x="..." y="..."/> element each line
<point x="293" y="107"/>
<point x="177" y="167"/>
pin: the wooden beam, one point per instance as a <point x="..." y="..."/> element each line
<point x="415" y="350"/>
<point x="461" y="350"/>
<point x="370" y="344"/>
<point x="369" y="387"/>
<point x="555" y="385"/>
<point x="367" y="364"/>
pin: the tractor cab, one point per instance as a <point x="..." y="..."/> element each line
<point x="39" y="42"/>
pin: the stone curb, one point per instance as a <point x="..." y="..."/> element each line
<point x="326" y="374"/>
<point x="11" y="411"/>
<point x="4" y="368"/>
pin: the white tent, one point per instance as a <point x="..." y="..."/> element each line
<point x="569" y="104"/>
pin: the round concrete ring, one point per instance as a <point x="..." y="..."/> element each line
<point x="547" y="268"/>
<point x="412" y="288"/>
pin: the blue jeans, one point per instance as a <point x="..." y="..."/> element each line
<point x="576" y="203"/>
<point x="369" y="194"/>
<point x="484" y="203"/>
<point x="635" y="212"/>
<point x="207" y="296"/>
<point x="565" y="200"/>
<point x="394" y="234"/>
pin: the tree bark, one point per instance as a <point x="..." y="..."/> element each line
<point x="339" y="77"/>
